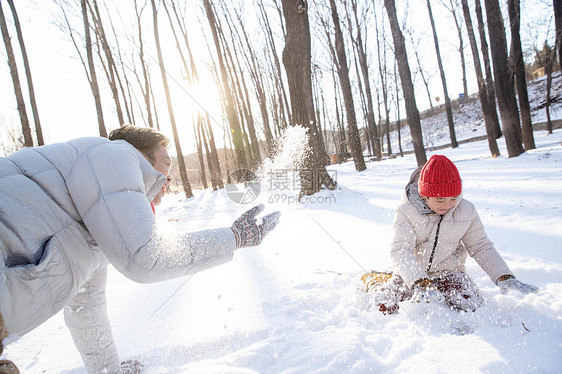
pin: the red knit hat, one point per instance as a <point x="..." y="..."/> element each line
<point x="439" y="178"/>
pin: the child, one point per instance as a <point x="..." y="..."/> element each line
<point x="434" y="230"/>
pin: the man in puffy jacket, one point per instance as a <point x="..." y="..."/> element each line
<point x="435" y="229"/>
<point x="67" y="210"/>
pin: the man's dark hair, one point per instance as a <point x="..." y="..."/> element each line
<point x="145" y="139"/>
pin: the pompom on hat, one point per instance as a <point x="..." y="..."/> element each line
<point x="439" y="177"/>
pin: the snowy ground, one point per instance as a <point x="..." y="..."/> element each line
<point x="293" y="304"/>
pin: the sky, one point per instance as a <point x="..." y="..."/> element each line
<point x="67" y="108"/>
<point x="64" y="98"/>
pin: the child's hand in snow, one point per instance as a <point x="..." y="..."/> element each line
<point x="511" y="283"/>
<point x="248" y="232"/>
<point x="424" y="290"/>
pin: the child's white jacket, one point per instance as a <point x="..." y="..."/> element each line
<point x="460" y="233"/>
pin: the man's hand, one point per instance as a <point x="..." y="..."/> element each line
<point x="246" y="229"/>
<point x="507" y="283"/>
<point x="425" y="291"/>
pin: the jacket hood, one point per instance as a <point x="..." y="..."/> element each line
<point x="153" y="180"/>
<point x="411" y="195"/>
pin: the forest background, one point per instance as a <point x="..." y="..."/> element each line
<point x="215" y="76"/>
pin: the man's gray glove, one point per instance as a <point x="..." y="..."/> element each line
<point x="507" y="283"/>
<point x="248" y="232"/>
<point x="425" y="291"/>
<point x="131" y="367"/>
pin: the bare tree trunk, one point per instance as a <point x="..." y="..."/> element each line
<point x="227" y="131"/>
<point x="452" y="134"/>
<point x="343" y="74"/>
<point x="125" y="93"/>
<point x="212" y="172"/>
<point x="254" y="141"/>
<point x="557" y="5"/>
<point x="322" y="153"/>
<point x="548" y="88"/>
<point x="297" y="60"/>
<point x="327" y="124"/>
<point x="255" y="75"/>
<point x="88" y="63"/>
<point x="372" y="126"/>
<point x="92" y="77"/>
<point x="362" y="98"/>
<point x="111" y="69"/>
<point x="27" y="67"/>
<point x="490" y="90"/>
<point x="226" y="157"/>
<point x="199" y="145"/>
<point x="335" y="139"/>
<point x="275" y="112"/>
<point x="181" y="162"/>
<point x="482" y="93"/>
<point x="372" y="133"/>
<point x="156" y="119"/>
<point x="240" y="83"/>
<point x="26" y="131"/>
<point x="262" y="101"/>
<point x="343" y="148"/>
<point x="503" y="80"/>
<point x="206" y="131"/>
<point x="412" y="112"/>
<point x="214" y="154"/>
<point x="239" y="104"/>
<point x="145" y="83"/>
<point x="547" y="59"/>
<point x="396" y="78"/>
<point x="520" y="77"/>
<point x="280" y="116"/>
<point x="384" y="88"/>
<point x="283" y="101"/>
<point x="237" y="137"/>
<point x="453" y="9"/>
<point x="188" y="71"/>
<point x="420" y="69"/>
<point x="379" y="116"/>
<point x="341" y="145"/>
<point x="210" y="163"/>
<point x="129" y="98"/>
<point x="194" y="76"/>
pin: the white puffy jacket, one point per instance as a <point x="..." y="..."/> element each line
<point x="460" y="233"/>
<point x="66" y="211"/>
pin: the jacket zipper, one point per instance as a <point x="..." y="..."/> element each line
<point x="434" y="245"/>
